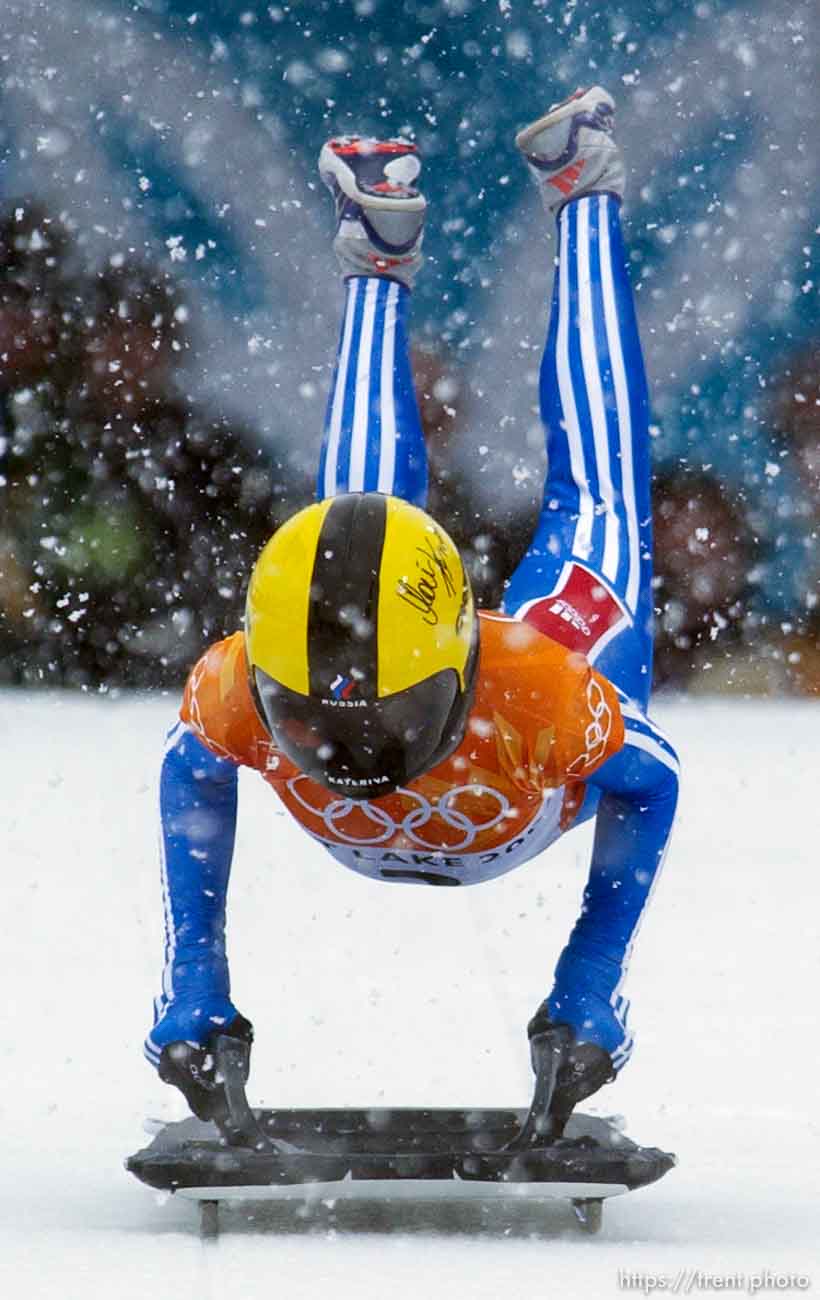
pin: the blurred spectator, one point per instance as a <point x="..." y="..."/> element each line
<point x="37" y="337"/>
<point x="703" y="556"/>
<point x="177" y="504"/>
<point x="141" y="514"/>
<point x="134" y="329"/>
<point x="796" y="418"/>
<point x="796" y="421"/>
<point x="33" y="320"/>
<point x="491" y="541"/>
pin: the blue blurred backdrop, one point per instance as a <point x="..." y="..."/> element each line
<point x="189" y="132"/>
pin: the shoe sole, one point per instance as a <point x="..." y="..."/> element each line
<point x="330" y="164"/>
<point x="567" y="109"/>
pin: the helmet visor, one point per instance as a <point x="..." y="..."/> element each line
<point x="362" y="748"/>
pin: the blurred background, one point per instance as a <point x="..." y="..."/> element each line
<point x="169" y="306"/>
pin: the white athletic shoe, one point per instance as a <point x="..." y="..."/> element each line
<point x="379" y="212"/>
<point x="570" y="150"/>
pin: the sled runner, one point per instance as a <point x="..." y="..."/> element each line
<point x="383" y="1153"/>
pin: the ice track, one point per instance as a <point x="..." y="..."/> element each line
<point x="363" y="993"/>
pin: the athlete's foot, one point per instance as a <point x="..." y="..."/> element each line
<point x="379" y="212"/>
<point x="570" y="151"/>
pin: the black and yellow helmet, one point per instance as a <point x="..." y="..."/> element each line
<point x="362" y="642"/>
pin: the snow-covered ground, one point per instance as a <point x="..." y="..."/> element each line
<point x="368" y="994"/>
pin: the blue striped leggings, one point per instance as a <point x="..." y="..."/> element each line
<point x="593" y="539"/>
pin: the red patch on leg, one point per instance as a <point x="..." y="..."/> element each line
<point x="579" y="614"/>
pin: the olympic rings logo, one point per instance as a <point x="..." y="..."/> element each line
<point x="596" y="733"/>
<point x="423" y="814"/>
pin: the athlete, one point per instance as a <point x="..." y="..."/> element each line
<point x="417" y="740"/>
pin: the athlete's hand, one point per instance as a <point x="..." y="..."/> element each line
<point x="192" y="1069"/>
<point x="582" y="1067"/>
<point x="180" y="1046"/>
<point x="585" y="996"/>
<point x="191" y="1020"/>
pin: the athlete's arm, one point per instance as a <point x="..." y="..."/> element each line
<point x="198" y="802"/>
<point x="638" y="790"/>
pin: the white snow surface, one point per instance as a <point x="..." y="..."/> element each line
<point x="370" y="994"/>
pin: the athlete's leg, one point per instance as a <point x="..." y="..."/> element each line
<point x="373" y="439"/>
<point x="586" y="578"/>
